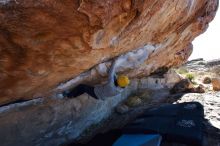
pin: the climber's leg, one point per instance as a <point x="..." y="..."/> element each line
<point x="90" y="90"/>
<point x="80" y="89"/>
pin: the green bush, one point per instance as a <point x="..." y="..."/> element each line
<point x="190" y="76"/>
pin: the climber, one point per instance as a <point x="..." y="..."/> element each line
<point x="113" y="87"/>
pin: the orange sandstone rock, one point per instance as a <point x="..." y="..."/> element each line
<point x="46" y="42"/>
<point x="216" y="84"/>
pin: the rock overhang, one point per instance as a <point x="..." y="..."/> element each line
<point x="44" y="43"/>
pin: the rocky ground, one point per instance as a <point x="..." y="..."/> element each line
<point x="210" y="99"/>
<point x="134" y="106"/>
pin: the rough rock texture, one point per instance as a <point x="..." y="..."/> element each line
<point x="47" y="46"/>
<point x="46" y="42"/>
<point x="43" y="122"/>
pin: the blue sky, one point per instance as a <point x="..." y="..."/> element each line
<point x="207" y="45"/>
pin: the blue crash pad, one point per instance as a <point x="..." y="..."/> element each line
<point x="138" y="140"/>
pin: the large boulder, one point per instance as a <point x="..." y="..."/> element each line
<point x="48" y="46"/>
<point x="46" y="42"/>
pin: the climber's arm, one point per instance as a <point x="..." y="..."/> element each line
<point x="111" y="72"/>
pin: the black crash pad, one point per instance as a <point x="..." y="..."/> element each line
<point x="176" y="123"/>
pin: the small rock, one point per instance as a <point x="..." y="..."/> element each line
<point x="145" y="95"/>
<point x="171" y="78"/>
<point x="207" y="80"/>
<point x="133" y="101"/>
<point x="199" y="89"/>
<point x="216" y="84"/>
<point x="184" y="85"/>
<point x="122" y="109"/>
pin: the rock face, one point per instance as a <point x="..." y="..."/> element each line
<point x="43" y="122"/>
<point x="46" y="42"/>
